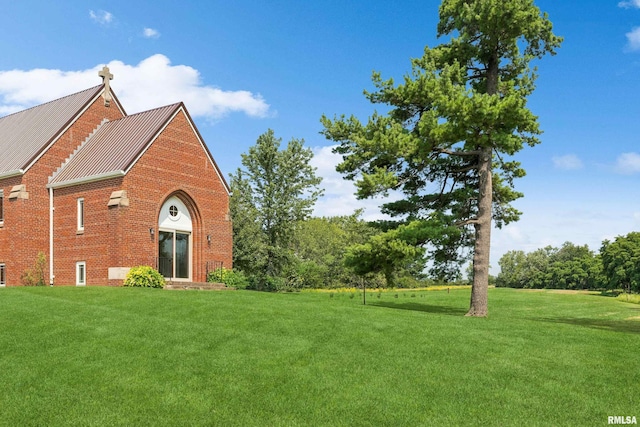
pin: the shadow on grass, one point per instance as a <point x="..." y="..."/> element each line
<point x="412" y="306"/>
<point x="607" y="293"/>
<point x="628" y="326"/>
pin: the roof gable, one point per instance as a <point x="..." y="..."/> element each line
<point x="113" y="148"/>
<point x="116" y="146"/>
<point x="25" y="135"/>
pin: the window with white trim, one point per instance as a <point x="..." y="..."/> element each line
<point x="81" y="214"/>
<point x="81" y="273"/>
<point x="3" y="275"/>
<point x="1" y="207"/>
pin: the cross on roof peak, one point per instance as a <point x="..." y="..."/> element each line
<point x="106" y="77"/>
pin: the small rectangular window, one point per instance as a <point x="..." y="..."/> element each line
<point x="3" y="275"/>
<point x="1" y="207"/>
<point x="80" y="214"/>
<point x="81" y="273"/>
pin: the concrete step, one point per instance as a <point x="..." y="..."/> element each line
<point x="200" y="286"/>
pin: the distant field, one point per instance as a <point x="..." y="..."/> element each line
<point x="125" y="356"/>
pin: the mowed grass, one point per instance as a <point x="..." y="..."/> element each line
<point x="124" y="356"/>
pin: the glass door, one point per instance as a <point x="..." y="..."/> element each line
<point x="165" y="253"/>
<point x="182" y="255"/>
<point x="174" y="258"/>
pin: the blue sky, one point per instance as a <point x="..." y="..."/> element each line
<point x="242" y="67"/>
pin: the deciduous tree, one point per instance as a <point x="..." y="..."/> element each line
<point x="567" y="267"/>
<point x="621" y="262"/>
<point x="320" y="246"/>
<point x="274" y="191"/>
<point x="453" y="125"/>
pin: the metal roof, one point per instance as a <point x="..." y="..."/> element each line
<point x="26" y="134"/>
<point x="114" y="147"/>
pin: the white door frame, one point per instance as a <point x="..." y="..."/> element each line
<point x="173" y="253"/>
<point x="176" y="219"/>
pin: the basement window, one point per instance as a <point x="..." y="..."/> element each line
<point x="81" y="273"/>
<point x="3" y="275"/>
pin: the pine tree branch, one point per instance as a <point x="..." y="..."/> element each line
<point x="509" y="178"/>
<point x="458" y="153"/>
<point x="466" y="222"/>
<point x="465" y="169"/>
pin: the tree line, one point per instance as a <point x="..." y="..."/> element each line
<point x="615" y="266"/>
<point x="277" y="245"/>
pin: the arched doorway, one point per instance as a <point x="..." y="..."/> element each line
<point x="175" y="244"/>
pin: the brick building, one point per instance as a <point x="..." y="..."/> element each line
<point x="97" y="191"/>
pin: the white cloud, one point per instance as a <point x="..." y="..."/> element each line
<point x="22" y="89"/>
<point x="102" y="17"/>
<point x="633" y="36"/>
<point x="152" y="83"/>
<point x="567" y="162"/>
<point x="629" y="4"/>
<point x="516" y="234"/>
<point x="150" y="33"/>
<point x="339" y="194"/>
<point x="633" y="39"/>
<point x="628" y="163"/>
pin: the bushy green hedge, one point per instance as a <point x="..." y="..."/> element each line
<point x="144" y="277"/>
<point x="231" y="278"/>
<point x="35" y="276"/>
<point x="307" y="274"/>
<point x="625" y="297"/>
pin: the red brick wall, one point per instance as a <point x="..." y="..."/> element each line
<point x="95" y="245"/>
<point x="175" y="164"/>
<point x="26" y="227"/>
<point x="9" y="244"/>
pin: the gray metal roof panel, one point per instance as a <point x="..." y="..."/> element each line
<point x="26" y="134"/>
<point x="114" y="146"/>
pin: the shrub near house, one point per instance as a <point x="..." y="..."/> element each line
<point x="144" y="277"/>
<point x="231" y="278"/>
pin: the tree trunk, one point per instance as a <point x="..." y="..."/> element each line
<point x="482" y="247"/>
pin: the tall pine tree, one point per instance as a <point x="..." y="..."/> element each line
<point x="454" y="124"/>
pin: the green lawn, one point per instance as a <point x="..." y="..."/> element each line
<point x="125" y="356"/>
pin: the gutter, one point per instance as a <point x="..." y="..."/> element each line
<point x="11" y="173"/>
<point x="51" y="208"/>
<point x="87" y="179"/>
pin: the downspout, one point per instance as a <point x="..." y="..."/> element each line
<point x="51" y="208"/>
